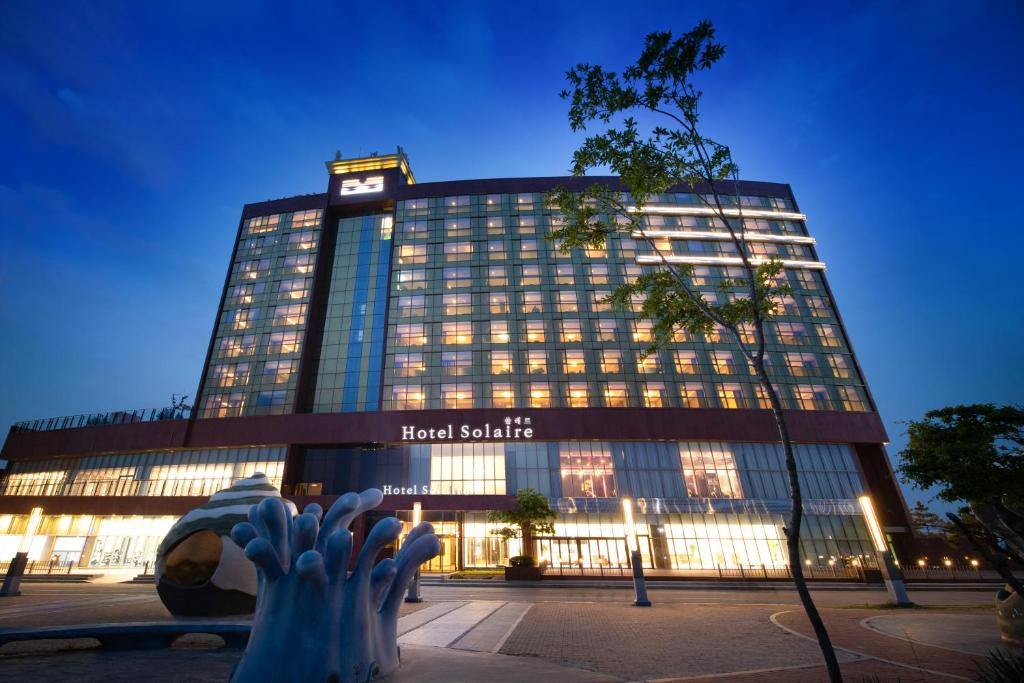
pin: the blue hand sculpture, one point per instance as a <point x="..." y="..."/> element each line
<point x="314" y="621"/>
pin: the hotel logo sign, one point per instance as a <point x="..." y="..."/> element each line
<point x="512" y="428"/>
<point x="351" y="186"/>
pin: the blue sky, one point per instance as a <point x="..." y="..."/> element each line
<point x="132" y="133"/>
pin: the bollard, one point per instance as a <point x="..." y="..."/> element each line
<point x="12" y="581"/>
<point x="639" y="582"/>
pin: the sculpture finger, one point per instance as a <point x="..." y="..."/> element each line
<point x="242" y="533"/>
<point x="257" y="521"/>
<point x="338" y="553"/>
<point x="380" y="580"/>
<point x="384" y="532"/>
<point x="342" y="507"/>
<point x="306" y="527"/>
<point x="278" y="523"/>
<point x="265" y="557"/>
<point x="415" y="554"/>
<point x="368" y="499"/>
<point x="315" y="510"/>
<point x="421" y="529"/>
<point x="310" y="567"/>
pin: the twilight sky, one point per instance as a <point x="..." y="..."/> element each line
<point x="132" y="134"/>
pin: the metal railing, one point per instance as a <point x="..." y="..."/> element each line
<point x="744" y="573"/>
<point x="953" y="573"/>
<point x="116" y="417"/>
<point x="42" y="567"/>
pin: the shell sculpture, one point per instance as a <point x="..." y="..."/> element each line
<point x="199" y="571"/>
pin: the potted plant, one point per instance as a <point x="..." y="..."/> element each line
<point x="531" y="515"/>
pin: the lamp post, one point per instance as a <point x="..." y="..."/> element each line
<point x="891" y="574"/>
<point x="12" y="580"/>
<point x="413" y="594"/>
<point x="636" y="560"/>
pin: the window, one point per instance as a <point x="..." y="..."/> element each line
<point x="306" y="219"/>
<point x="272" y="397"/>
<point x="528" y="249"/>
<point x="292" y="314"/>
<point x="572" y="331"/>
<point x="533" y="302"/>
<point x="802" y="364"/>
<point x="643" y="331"/>
<point x="279" y="371"/>
<point x="540" y="395"/>
<point x="458" y="251"/>
<point x="575" y="364"/>
<point x="606" y="330"/>
<point x="304" y="240"/>
<point x="829" y="335"/>
<point x="818" y="307"/>
<point x="407" y="398"/>
<point x="611" y="361"/>
<point x="457" y="304"/>
<point x="283" y="342"/>
<point x="457" y="333"/>
<point x="457" y="362"/>
<point x="615" y="395"/>
<point x="224" y="405"/>
<point x="564" y="274"/>
<point x="457" y="277"/>
<point x="456" y="396"/>
<point x="537" y="362"/>
<point x="524" y="201"/>
<point x="534" y="331"/>
<point x="408" y="280"/>
<point x="409" y="365"/>
<point x="412" y="306"/>
<point x="252" y="270"/>
<point x="496" y="250"/>
<point x="501" y="363"/>
<point x="457" y="204"/>
<point x="709" y="473"/>
<point x="599" y="301"/>
<point x="722" y="362"/>
<point x="415" y="204"/>
<point x="412" y="254"/>
<point x="598" y="273"/>
<point x="299" y="264"/>
<point x="655" y="395"/>
<point x="791" y="333"/>
<point x="233" y="375"/>
<point x="498" y="303"/>
<point x="587" y="470"/>
<point x="262" y="224"/>
<point x="812" y="397"/>
<point x="841" y="366"/>
<point x="245" y="294"/>
<point x="232" y="347"/>
<point x="296" y="288"/>
<point x="577" y="395"/>
<point x="731" y="396"/>
<point x="495" y="225"/>
<point x="414" y="230"/>
<point x="715" y="335"/>
<point x="692" y="395"/>
<point x="648" y="365"/>
<point x="410" y="334"/>
<point x="595" y="252"/>
<point x="567" y="302"/>
<point x="852" y="398"/>
<point x="243" y="318"/>
<point x="530" y="276"/>
<point x="499" y="332"/>
<point x="467" y="469"/>
<point x="502" y="396"/>
<point x="496" y="276"/>
<point x="686" y="362"/>
<point x="527" y="225"/>
<point x="456" y="227"/>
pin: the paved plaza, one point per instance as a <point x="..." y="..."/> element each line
<point x="569" y="634"/>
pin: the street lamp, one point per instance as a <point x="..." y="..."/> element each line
<point x="413" y="594"/>
<point x="890" y="573"/>
<point x="636" y="560"/>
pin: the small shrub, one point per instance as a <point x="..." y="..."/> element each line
<point x="1002" y="667"/>
<point x="522" y="561"/>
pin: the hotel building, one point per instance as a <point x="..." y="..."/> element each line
<point x="426" y="339"/>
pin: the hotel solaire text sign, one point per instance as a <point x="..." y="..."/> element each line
<point x="509" y="429"/>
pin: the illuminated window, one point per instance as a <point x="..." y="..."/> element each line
<point x="233" y="347"/>
<point x="643" y="331"/>
<point x="802" y="364"/>
<point x="457" y="277"/>
<point x="456" y="204"/>
<point x="262" y="224"/>
<point x="457" y="304"/>
<point x="761" y="397"/>
<point x="407" y="398"/>
<point x="458" y="251"/>
<point x="283" y="342"/>
<point x="611" y="361"/>
<point x="599" y="301"/>
<point x="501" y="363"/>
<point x="606" y="330"/>
<point x="502" y="396"/>
<point x="306" y="219"/>
<point x="496" y="276"/>
<point x="628" y="248"/>
<point x="715" y="335"/>
<point x="387" y="227"/>
<point x="224" y="405"/>
<point x="495" y="225"/>
<point x="572" y="331"/>
<point x="655" y="395"/>
<point x="841" y="366"/>
<point x="496" y="250"/>
<point x="731" y="396"/>
<point x="530" y="276"/>
<point x="410" y="334"/>
<point x="409" y="365"/>
<point x="414" y="230"/>
<point x="528" y="250"/>
<point x="467" y="469"/>
<point x="598" y="273"/>
<point x="818" y="307"/>
<point x="709" y="474"/>
<point x="233" y="375"/>
<point x="291" y="314"/>
<point x="456" y="362"/>
<point x="456" y="227"/>
<point x="853" y="398"/>
<point x="527" y="225"/>
<point x="498" y="303"/>
<point x="415" y="204"/>
<point x="252" y="270"/>
<point x="686" y="362"/>
<point x="408" y="280"/>
<point x="411" y="306"/>
<point x="701" y="276"/>
<point x="812" y="397"/>
<point x="533" y="302"/>
<point x="636" y="302"/>
<point x="587" y="470"/>
<point x="692" y="395"/>
<point x="243" y="318"/>
<point x="525" y="201"/>
<point x="499" y="332"/>
<point x="457" y="333"/>
<point x="722" y="362"/>
<point x="596" y="252"/>
<point x="791" y="333"/>
<point x="299" y="264"/>
<point x="828" y="335"/>
<point x="245" y="294"/>
<point x="456" y="396"/>
<point x="577" y="395"/>
<point x="631" y="271"/>
<point x="279" y="371"/>
<point x="412" y="254"/>
<point x="296" y="288"/>
<point x="615" y="395"/>
<point x="534" y="331"/>
<point x="567" y="302"/>
<point x="304" y="240"/>
<point x="648" y="365"/>
<point x="537" y="362"/>
<point x="575" y="364"/>
<point x="564" y="274"/>
<point x="540" y="395"/>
